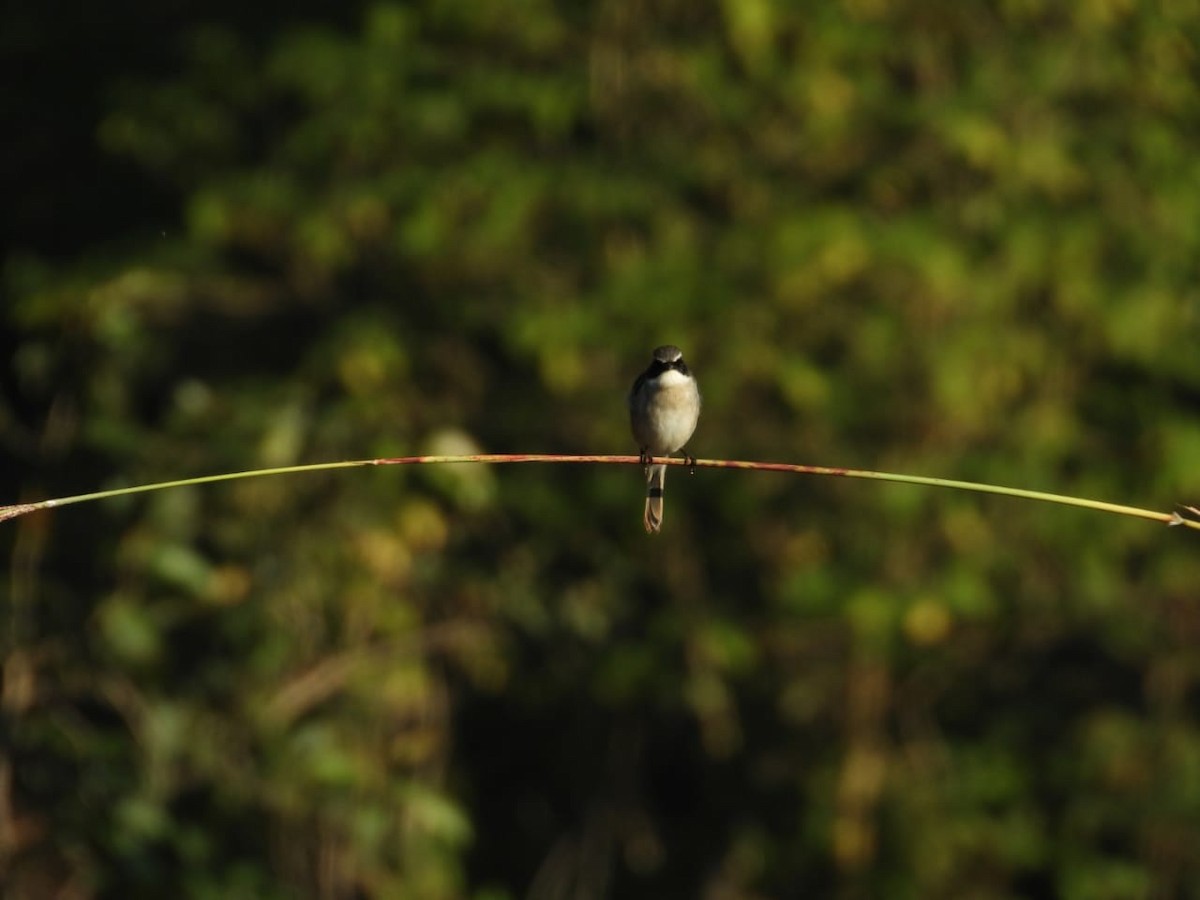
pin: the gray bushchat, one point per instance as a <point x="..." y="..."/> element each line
<point x="664" y="405"/>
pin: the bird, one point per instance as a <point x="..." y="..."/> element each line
<point x="664" y="406"/>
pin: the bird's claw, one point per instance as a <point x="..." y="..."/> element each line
<point x="690" y="462"/>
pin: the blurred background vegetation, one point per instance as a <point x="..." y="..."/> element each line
<point x="943" y="238"/>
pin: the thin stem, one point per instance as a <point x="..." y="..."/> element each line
<point x="1167" y="518"/>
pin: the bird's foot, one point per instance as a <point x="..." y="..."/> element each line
<point x="645" y="458"/>
<point x="690" y="462"/>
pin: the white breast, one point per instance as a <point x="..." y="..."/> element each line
<point x="664" y="414"/>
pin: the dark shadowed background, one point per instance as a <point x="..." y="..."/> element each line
<point x="942" y="238"/>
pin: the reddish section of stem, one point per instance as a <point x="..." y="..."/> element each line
<point x="11" y="512"/>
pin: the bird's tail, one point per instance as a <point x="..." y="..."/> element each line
<point x="655" y="477"/>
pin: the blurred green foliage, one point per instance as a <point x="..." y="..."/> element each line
<point x="956" y="239"/>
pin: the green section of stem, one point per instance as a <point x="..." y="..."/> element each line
<point x="184" y="482"/>
<point x="1063" y="499"/>
<point x="7" y="512"/>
